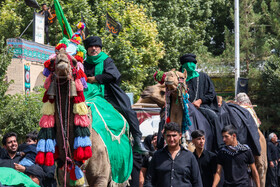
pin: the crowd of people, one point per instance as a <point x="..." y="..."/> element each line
<point x="22" y="158"/>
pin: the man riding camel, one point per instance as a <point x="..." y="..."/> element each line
<point x="202" y="93"/>
<point x="100" y="68"/>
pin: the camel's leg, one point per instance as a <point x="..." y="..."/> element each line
<point x="261" y="161"/>
<point x="98" y="167"/>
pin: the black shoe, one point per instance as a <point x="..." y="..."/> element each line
<point x="139" y="147"/>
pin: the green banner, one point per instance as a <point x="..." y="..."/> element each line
<point x="65" y="26"/>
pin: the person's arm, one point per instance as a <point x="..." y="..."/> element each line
<point x="209" y="94"/>
<point x="255" y="174"/>
<point x="217" y="176"/>
<point x="19" y="167"/>
<point x="269" y="155"/>
<point x="50" y="14"/>
<point x="195" y="173"/>
<point x="151" y="177"/>
<point x="142" y="176"/>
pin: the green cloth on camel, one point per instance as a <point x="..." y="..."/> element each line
<point x="98" y="61"/>
<point x="12" y="177"/>
<point x="114" y="130"/>
<point x="190" y="68"/>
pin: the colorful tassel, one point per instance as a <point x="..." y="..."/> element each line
<point x="49" y="160"/>
<point x="50" y="145"/>
<point x="47" y="82"/>
<point x="79" y="85"/>
<point x="78" y="172"/>
<point x="47" y="121"/>
<point x="46" y="72"/>
<point x="48" y="108"/>
<point x="46" y="133"/>
<point x="79" y="98"/>
<point x="41" y="146"/>
<point x="82" y="142"/>
<point x="72" y="174"/>
<point x="46" y="98"/>
<point x="80" y="108"/>
<point x="80" y="66"/>
<point x="40" y="158"/>
<point x="81" y="131"/>
<point x="79" y="154"/>
<point x="80" y="181"/>
<point x="87" y="152"/>
<point x="81" y="120"/>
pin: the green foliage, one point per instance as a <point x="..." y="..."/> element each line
<point x="269" y="96"/>
<point x="5" y="60"/>
<point x="21" y="114"/>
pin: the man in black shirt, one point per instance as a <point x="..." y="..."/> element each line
<point x="234" y="159"/>
<point x="207" y="161"/>
<point x="9" y="156"/>
<point x="272" y="157"/>
<point x="173" y="165"/>
<point x="47" y="13"/>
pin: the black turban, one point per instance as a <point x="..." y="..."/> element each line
<point x="92" y="41"/>
<point x="188" y="58"/>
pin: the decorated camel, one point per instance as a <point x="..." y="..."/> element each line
<point x="170" y="88"/>
<point x="94" y="140"/>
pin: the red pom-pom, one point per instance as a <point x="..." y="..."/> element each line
<point x="79" y="98"/>
<point x="168" y="120"/>
<point x="72" y="174"/>
<point x="79" y="58"/>
<point x="88" y="152"/>
<point x="47" y="64"/>
<point x="59" y="46"/>
<point x="40" y="158"/>
<point x="49" y="161"/>
<point x="79" y="154"/>
<point x="56" y="153"/>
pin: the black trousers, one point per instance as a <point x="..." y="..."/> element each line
<point x="213" y="119"/>
<point x="47" y="33"/>
<point x="271" y="176"/>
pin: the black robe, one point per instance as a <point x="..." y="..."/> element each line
<point x="205" y="92"/>
<point x="113" y="93"/>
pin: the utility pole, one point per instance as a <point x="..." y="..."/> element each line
<point x="236" y="43"/>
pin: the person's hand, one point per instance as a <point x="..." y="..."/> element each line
<point x="91" y="79"/>
<point x="271" y="164"/>
<point x="22" y="154"/>
<point x="19" y="167"/>
<point x="197" y="103"/>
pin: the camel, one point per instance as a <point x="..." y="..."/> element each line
<point x="171" y="83"/>
<point x="97" y="168"/>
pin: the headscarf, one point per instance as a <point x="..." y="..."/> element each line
<point x="190" y="68"/>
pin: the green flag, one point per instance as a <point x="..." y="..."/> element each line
<point x="65" y="26"/>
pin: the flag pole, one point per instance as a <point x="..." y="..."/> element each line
<point x="236" y="43"/>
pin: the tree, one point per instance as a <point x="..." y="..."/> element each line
<point x="137" y="49"/>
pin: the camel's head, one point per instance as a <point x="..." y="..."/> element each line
<point x="156" y="93"/>
<point x="173" y="78"/>
<point x="63" y="66"/>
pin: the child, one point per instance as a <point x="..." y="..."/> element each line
<point x="30" y="150"/>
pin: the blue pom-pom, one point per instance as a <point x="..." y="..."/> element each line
<point x="82" y="142"/>
<point x="78" y="172"/>
<point x="41" y="146"/>
<point x="50" y="145"/>
<point x="46" y="72"/>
